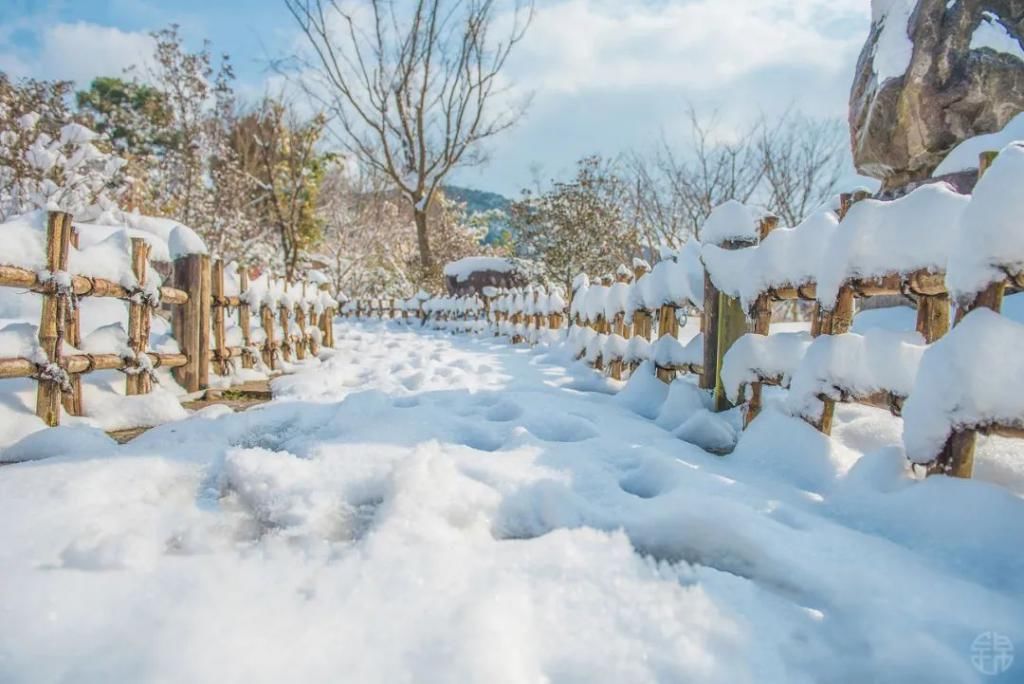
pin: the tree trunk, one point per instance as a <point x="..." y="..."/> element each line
<point x="423" y="239"/>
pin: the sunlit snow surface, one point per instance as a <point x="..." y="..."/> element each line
<point x="428" y="508"/>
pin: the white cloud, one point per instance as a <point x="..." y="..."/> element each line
<point x="79" y="52"/>
<point x="576" y="45"/>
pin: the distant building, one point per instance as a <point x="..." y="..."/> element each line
<point x="472" y="274"/>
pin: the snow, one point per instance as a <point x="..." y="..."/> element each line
<point x="965" y="155"/>
<point x="730" y="221"/>
<point x="429" y="507"/>
<point x="462" y="269"/>
<point x="914" y="232"/>
<point x="968" y="378"/>
<point x="989" y="240"/>
<point x="753" y="357"/>
<point x="787" y="257"/>
<point x="992" y="34"/>
<point x="183" y="242"/>
<point x="894" y="49"/>
<point x="878" y="360"/>
<point x="669" y="352"/>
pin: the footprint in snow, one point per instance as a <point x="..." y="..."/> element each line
<point x="503" y="411"/>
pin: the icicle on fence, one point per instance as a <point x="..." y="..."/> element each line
<point x="200" y="307"/>
<point x="737" y="278"/>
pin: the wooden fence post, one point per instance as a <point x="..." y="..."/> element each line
<point x="709" y="323"/>
<point x="73" y="400"/>
<point x="244" y="315"/>
<point x="761" y="323"/>
<point x="730" y="325"/>
<point x="327" y="326"/>
<point x="619" y="326"/>
<point x="300" y="323"/>
<point x="840" y="319"/>
<point x="286" y="337"/>
<point x="221" y="355"/>
<point x="269" y="345"/>
<point x="668" y="324"/>
<point x="314" y="346"/>
<point x="137" y="380"/>
<point x="190" y="321"/>
<point x="53" y="318"/>
<point x="957" y="455"/>
<point x="933" y="316"/>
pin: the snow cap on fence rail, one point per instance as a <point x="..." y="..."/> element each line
<point x="878" y="360"/>
<point x="878" y="238"/>
<point x="788" y="257"/>
<point x="762" y="356"/>
<point x="732" y="221"/>
<point x="959" y="386"/>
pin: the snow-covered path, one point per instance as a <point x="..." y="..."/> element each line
<point x="430" y="508"/>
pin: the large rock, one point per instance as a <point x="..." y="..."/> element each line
<point x="932" y="74"/>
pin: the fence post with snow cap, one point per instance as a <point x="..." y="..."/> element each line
<point x="730" y="226"/>
<point x="957" y="455"/>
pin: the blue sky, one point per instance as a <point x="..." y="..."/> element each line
<point x="607" y="75"/>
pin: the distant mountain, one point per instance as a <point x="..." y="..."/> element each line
<point x="477" y="201"/>
<point x="480" y="201"/>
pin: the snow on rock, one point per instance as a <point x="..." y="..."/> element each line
<point x="965" y="155"/>
<point x="970" y="377"/>
<point x="878" y="238"/>
<point x="894" y="48"/>
<point x="989" y="239"/>
<point x="462" y="269"/>
<point x="879" y="360"/>
<point x="731" y="221"/>
<point x="762" y="356"/>
<point x="992" y="34"/>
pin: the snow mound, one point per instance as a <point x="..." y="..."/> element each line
<point x="968" y="378"/>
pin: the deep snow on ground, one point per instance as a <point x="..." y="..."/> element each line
<point x="423" y="507"/>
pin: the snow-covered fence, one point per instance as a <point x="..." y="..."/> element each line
<point x="201" y="298"/>
<point x="58" y="323"/>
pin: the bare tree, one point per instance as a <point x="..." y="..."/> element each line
<point x="676" y="192"/>
<point x="802" y="159"/>
<point x="411" y="86"/>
